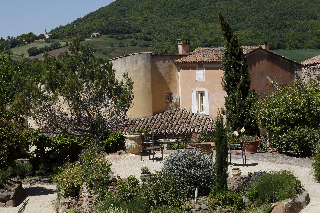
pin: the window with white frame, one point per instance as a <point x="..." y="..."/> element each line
<point x="200" y="102"/>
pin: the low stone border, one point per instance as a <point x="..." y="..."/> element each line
<point x="292" y="205"/>
<point x="12" y="197"/>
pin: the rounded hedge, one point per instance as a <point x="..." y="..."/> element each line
<point x="193" y="169"/>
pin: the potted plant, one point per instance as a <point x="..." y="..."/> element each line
<point x="145" y="173"/>
<point x="250" y="143"/>
<point x="236" y="172"/>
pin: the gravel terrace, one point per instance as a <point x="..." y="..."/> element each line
<point x="40" y="196"/>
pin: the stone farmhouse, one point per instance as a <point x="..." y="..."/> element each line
<point x="192" y="80"/>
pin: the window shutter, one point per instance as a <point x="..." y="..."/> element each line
<point x="206" y="102"/>
<point x="194" y="102"/>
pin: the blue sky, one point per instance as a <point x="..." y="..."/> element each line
<point x="23" y="16"/>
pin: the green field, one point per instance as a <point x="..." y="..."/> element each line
<point x="17" y="51"/>
<point x="106" y="47"/>
<point x="298" y="55"/>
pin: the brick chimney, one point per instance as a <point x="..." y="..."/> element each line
<point x="184" y="46"/>
<point x="265" y="45"/>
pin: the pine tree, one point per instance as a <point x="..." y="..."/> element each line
<point x="236" y="82"/>
<point x="221" y="165"/>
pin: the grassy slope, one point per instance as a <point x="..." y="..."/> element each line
<point x="103" y="43"/>
<point x="17" y="51"/>
<point x="298" y="55"/>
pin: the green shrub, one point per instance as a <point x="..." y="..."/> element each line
<point x="273" y="187"/>
<point x="161" y="190"/>
<point x="316" y="167"/>
<point x="292" y="108"/>
<point x="21" y="170"/>
<point x="69" y="180"/>
<point x="4" y="177"/>
<point x="96" y="169"/>
<point x="127" y="190"/>
<point x="302" y="141"/>
<point x="115" y="141"/>
<point x="225" y="199"/>
<point x="112" y="204"/>
<point x="193" y="169"/>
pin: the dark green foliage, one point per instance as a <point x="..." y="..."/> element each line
<point x="193" y="169"/>
<point x="115" y="141"/>
<point x="236" y="82"/>
<point x="221" y="165"/>
<point x="127" y="190"/>
<point x="316" y="167"/>
<point x="91" y="168"/>
<point x="4" y="177"/>
<point x="139" y="204"/>
<point x="282" y="23"/>
<point x="161" y="190"/>
<point x="20" y="170"/>
<point x="273" y="187"/>
<point x="159" y="194"/>
<point x="226" y="199"/>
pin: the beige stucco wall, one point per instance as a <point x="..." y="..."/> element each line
<point x="153" y="76"/>
<point x="213" y="74"/>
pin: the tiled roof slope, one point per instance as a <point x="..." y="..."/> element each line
<point x="210" y="54"/>
<point x="177" y="121"/>
<point x="314" y="60"/>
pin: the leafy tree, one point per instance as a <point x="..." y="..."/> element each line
<point x="221" y="165"/>
<point x="292" y="117"/>
<point x="33" y="51"/>
<point x="236" y="82"/>
<point x="84" y="98"/>
<point x="15" y="101"/>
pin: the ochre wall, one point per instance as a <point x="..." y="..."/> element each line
<point x="212" y="83"/>
<point x="153" y="75"/>
<point x="263" y="64"/>
<point x="138" y="67"/>
<point x="164" y="79"/>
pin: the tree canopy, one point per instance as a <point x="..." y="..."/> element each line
<point x="82" y="94"/>
<point x="285" y="24"/>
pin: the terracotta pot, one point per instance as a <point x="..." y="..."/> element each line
<point x="251" y="146"/>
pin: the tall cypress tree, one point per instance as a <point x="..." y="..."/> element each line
<point x="221" y="165"/>
<point x="236" y="82"/>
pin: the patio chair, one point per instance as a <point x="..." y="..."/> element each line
<point x="237" y="149"/>
<point x="149" y="146"/>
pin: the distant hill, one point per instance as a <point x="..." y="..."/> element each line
<point x="284" y="24"/>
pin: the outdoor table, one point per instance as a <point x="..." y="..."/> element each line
<point x="213" y="144"/>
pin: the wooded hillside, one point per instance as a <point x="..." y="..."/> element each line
<point x="284" y="24"/>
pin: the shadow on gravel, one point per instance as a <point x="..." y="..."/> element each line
<point x="240" y="164"/>
<point x="34" y="191"/>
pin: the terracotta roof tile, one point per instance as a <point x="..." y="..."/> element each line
<point x="314" y="60"/>
<point x="210" y="54"/>
<point x="177" y="121"/>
